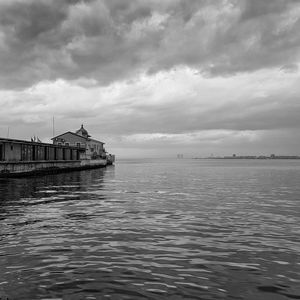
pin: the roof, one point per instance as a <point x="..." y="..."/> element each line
<point x="71" y="133"/>
<point x="96" y="141"/>
<point x="6" y="140"/>
<point x="87" y="139"/>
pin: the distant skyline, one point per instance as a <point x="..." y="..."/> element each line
<point x="154" y="78"/>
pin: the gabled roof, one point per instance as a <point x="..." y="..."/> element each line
<point x="77" y="135"/>
<point x="70" y="133"/>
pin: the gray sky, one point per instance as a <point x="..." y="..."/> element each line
<point x="154" y="77"/>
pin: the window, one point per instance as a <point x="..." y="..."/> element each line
<point x="59" y="144"/>
<point x="67" y="144"/>
<point x="78" y="145"/>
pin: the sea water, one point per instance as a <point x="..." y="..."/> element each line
<point x="154" y="229"/>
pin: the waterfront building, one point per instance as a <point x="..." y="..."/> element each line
<point x="81" y="139"/>
<point x="13" y="150"/>
<point x="21" y="158"/>
<point x="69" y="151"/>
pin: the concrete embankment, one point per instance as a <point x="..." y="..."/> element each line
<point x="25" y="168"/>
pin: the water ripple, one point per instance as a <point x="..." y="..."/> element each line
<point x="153" y="230"/>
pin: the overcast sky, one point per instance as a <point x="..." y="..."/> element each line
<point x="154" y="77"/>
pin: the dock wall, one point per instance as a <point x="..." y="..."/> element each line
<point x="23" y="168"/>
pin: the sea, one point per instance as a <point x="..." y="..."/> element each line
<point x="154" y="229"/>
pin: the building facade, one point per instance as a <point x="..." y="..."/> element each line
<point x="12" y="150"/>
<point x="81" y="139"/>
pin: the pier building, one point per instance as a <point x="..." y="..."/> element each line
<point x="20" y="157"/>
<point x="13" y="150"/>
<point x="93" y="149"/>
<point x="69" y="151"/>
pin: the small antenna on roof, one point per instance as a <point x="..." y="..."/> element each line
<point x="53" y="131"/>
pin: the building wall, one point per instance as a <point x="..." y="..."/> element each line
<point x="71" y="139"/>
<point x="12" y="152"/>
<point x="92" y="147"/>
<point x="19" y="151"/>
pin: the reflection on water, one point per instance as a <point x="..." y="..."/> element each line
<point x="184" y="229"/>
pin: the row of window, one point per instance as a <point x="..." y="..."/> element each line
<point x="34" y="152"/>
<point x="93" y="147"/>
<point x="27" y="152"/>
<point x="78" y="145"/>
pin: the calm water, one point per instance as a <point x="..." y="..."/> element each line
<point x="181" y="229"/>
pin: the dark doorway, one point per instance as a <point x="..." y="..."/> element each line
<point x="1" y="152"/>
<point x="34" y="152"/>
<point x="46" y="151"/>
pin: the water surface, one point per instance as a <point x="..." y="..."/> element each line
<point x="154" y="229"/>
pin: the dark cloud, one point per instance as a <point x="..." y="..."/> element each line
<point x="112" y="40"/>
<point x="28" y="22"/>
<point x="256" y="8"/>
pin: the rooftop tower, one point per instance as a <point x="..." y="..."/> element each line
<point x="83" y="132"/>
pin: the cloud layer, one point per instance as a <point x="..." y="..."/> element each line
<point x="159" y="76"/>
<point x="114" y="39"/>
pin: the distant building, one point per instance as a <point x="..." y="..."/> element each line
<point x="81" y="139"/>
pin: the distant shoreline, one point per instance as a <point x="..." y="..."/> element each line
<point x="252" y="157"/>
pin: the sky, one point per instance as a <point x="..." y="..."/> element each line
<point x="154" y="78"/>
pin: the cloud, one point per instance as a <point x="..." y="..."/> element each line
<point x="207" y="143"/>
<point x="142" y="75"/>
<point x="167" y="105"/>
<point x="109" y="41"/>
<point x="290" y="68"/>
